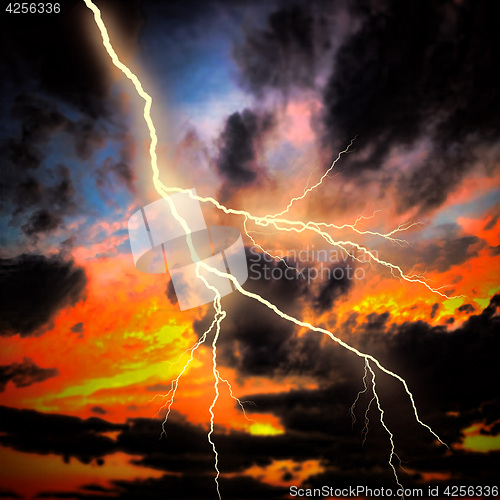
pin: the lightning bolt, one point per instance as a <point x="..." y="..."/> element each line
<point x="222" y="315"/>
<point x="391" y="437"/>
<point x="307" y="189"/>
<point x="175" y="382"/>
<point x="281" y="225"/>
<point x="364" y="431"/>
<point x="365" y="388"/>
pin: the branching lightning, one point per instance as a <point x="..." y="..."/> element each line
<point x="365" y="388"/>
<point x="221" y="315"/>
<point x="391" y="437"/>
<point x="175" y="382"/>
<point x="307" y="189"/>
<point x="279" y="224"/>
<point x="364" y="431"/>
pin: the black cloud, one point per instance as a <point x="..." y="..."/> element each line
<point x="286" y="52"/>
<point x="238" y="144"/>
<point x="41" y="221"/>
<point x="418" y="70"/>
<point x="24" y="374"/>
<point x="255" y="339"/>
<point x="77" y="327"/>
<point x="65" y="59"/>
<point x="59" y="434"/>
<point x="98" y="410"/>
<point x="406" y="73"/>
<point x="468" y="308"/>
<point x="35" y="288"/>
<point x="316" y="421"/>
<point x="337" y="285"/>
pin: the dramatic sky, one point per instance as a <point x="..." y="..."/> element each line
<point x="252" y="102"/>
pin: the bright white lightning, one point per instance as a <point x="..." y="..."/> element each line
<point x="264" y="221"/>
<point x="307" y="190"/>
<point x="222" y="315"/>
<point x="391" y="437"/>
<point x="175" y="382"/>
<point x="339" y="341"/>
<point x="365" y="388"/>
<point x="364" y="431"/>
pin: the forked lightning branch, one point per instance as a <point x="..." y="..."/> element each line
<point x="211" y="270"/>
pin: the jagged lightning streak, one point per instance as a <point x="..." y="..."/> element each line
<point x="391" y="437"/>
<point x="364" y="431"/>
<point x="239" y="401"/>
<point x="296" y="226"/>
<point x="175" y="382"/>
<point x="307" y="190"/>
<point x="299" y="227"/>
<point x="339" y="341"/>
<point x="222" y="315"/>
<point x="365" y="388"/>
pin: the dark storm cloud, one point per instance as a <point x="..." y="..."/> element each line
<point x="447" y="370"/>
<point x="418" y="69"/>
<point x="448" y="247"/>
<point x="41" y="221"/>
<point x="377" y="322"/>
<point x="77" y="327"/>
<point x="61" y="195"/>
<point x="98" y="410"/>
<point x="434" y="310"/>
<point x="238" y="144"/>
<point x="37" y="197"/>
<point x="183" y="487"/>
<point x="450" y="251"/>
<point x="170" y="293"/>
<point x="406" y="72"/>
<point x="65" y="60"/>
<point x="35" y="288"/>
<point x="335" y="287"/>
<point x="412" y="61"/>
<point x="4" y="493"/>
<point x="257" y="341"/>
<point x="186" y="449"/>
<point x="40" y="120"/>
<point x="287" y="52"/>
<point x="58" y="434"/>
<point x="54" y="89"/>
<point x="468" y="308"/>
<point x="495" y="215"/>
<point x="450" y="375"/>
<point x="119" y="170"/>
<point x="87" y="138"/>
<point x="24" y="374"/>
<point x="29" y="192"/>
